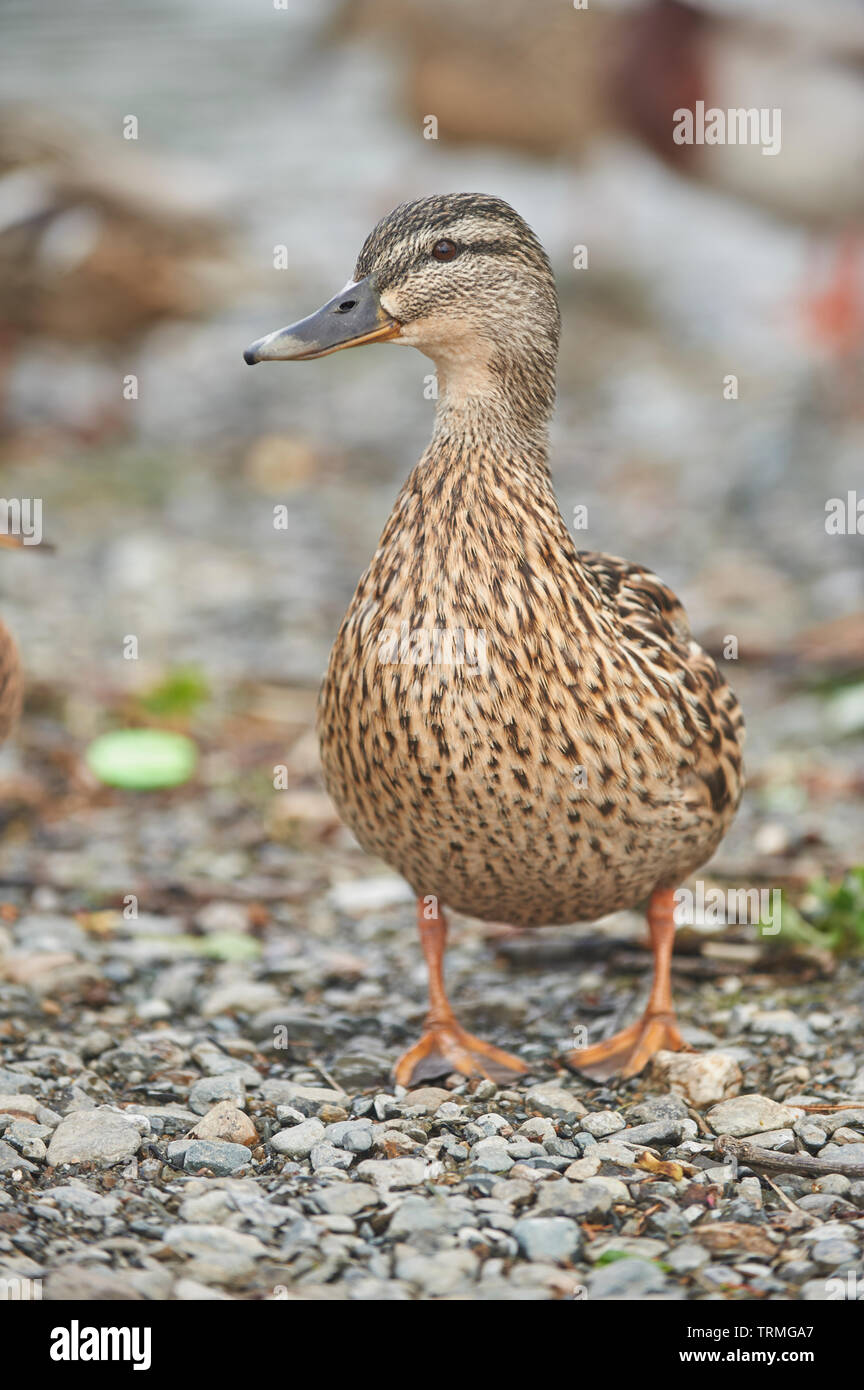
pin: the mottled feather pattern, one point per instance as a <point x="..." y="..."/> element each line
<point x="593" y="754"/>
<point x="10" y="683"/>
<point x="575" y="774"/>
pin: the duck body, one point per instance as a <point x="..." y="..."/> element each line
<point x="527" y="733"/>
<point x="10" y="683"/>
<point x="577" y="750"/>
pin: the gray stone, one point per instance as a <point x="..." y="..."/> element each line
<point x="782" y="1139"/>
<point x="81" y="1200"/>
<point x="393" y="1172"/>
<point x="353" y="1135"/>
<point x="492" y="1155"/>
<point x="834" y="1183"/>
<point x="686" y="1258"/>
<point x="834" y="1252"/>
<point x="654" y="1108"/>
<point x="781" y="1023"/>
<point x="275" y="1091"/>
<point x="205" y="1093"/>
<point x="345" y="1198"/>
<point x="843" y="1153"/>
<point x="328" y="1156"/>
<point x="812" y="1135"/>
<point x="553" y="1238"/>
<point x="750" y="1115"/>
<point x="439" y="1275"/>
<point x="656" y="1134"/>
<point x="420" y="1214"/>
<point x="299" y="1140"/>
<point x="628" y="1279"/>
<point x="601" y="1123"/>
<point x="219" y="1156"/>
<point x="94" y="1136"/>
<point x="216" y="1254"/>
<point x="549" y="1098"/>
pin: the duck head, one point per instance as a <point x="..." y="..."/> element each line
<point x="463" y="278"/>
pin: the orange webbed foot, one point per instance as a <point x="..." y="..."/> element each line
<point x="628" y="1052"/>
<point x="448" y="1045"/>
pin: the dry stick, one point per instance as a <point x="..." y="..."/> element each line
<point x="804" y="1164"/>
<point x="787" y="1201"/>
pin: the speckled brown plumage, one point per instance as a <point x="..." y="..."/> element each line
<point x="10" y="683"/>
<point x="575" y="753"/>
<point x="596" y="758"/>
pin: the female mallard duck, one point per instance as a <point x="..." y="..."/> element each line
<point x="525" y="731"/>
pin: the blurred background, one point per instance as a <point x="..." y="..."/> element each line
<point x="297" y="127"/>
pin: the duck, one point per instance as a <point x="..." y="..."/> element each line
<point x="526" y="732"/>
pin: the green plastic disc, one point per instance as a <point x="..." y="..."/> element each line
<point x="142" y="759"/>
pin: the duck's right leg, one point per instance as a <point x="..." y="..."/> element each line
<point x="446" y="1045"/>
<point x="628" y="1052"/>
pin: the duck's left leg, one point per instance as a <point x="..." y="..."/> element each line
<point x="446" y="1044"/>
<point x="629" y="1051"/>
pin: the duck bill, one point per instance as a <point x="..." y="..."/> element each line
<point x="354" y="316"/>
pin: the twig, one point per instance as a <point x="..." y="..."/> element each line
<point x="787" y="1201"/>
<point x="319" y="1066"/>
<point x="773" y="1162"/>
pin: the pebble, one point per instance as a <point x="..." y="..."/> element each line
<point x="355" y="1136"/>
<point x="751" y="1191"/>
<point x="94" y="1136"/>
<point x="226" y="1122"/>
<point x="834" y="1183"/>
<point x="217" y="1156"/>
<point x="834" y="1251"/>
<point x="210" y="1089"/>
<point x="426" y="1100"/>
<point x="548" y="1238"/>
<point x="81" y="1200"/>
<point x="782" y="1023"/>
<point x="328" y="1156"/>
<point x="600" y="1123"/>
<point x="345" y="1199"/>
<point x="751" y="1115"/>
<point x="215" y="1254"/>
<point x="782" y="1139"/>
<point x="812" y="1136"/>
<point x="686" y="1258"/>
<point x="628" y="1279"/>
<point x="844" y="1153"/>
<point x="393" y="1173"/>
<point x="702" y="1078"/>
<point x="548" y="1098"/>
<point x="299" y="1140"/>
<point x="492" y="1155"/>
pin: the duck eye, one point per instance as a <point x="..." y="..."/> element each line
<point x="444" y="250"/>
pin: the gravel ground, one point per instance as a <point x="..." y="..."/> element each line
<point x="196" y="1103"/>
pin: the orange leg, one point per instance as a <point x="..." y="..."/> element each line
<point x="446" y="1044"/>
<point x="629" y="1051"/>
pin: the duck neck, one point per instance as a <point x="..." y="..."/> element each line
<point x="487" y="463"/>
<point x="495" y="402"/>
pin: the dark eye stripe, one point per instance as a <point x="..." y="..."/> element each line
<point x="398" y="269"/>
